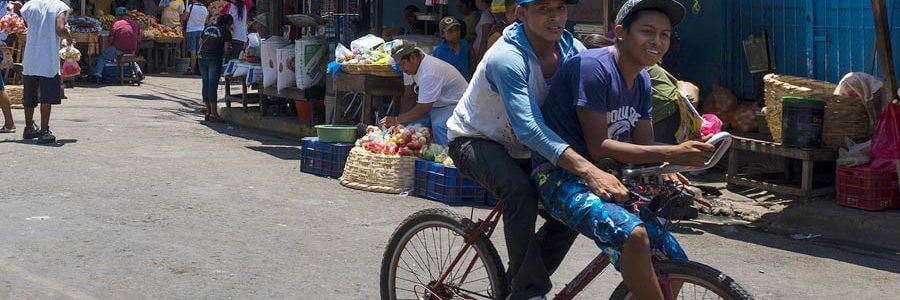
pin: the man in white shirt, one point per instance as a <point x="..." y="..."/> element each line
<point x="438" y="84"/>
<point x="196" y="21"/>
<point x="46" y="21"/>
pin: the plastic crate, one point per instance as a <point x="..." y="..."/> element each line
<point x="862" y="188"/>
<point x="323" y="159"/>
<point x="444" y="184"/>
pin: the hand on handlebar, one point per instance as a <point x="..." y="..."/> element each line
<point x="692" y="153"/>
<point x="606" y="186"/>
<point x="677" y="178"/>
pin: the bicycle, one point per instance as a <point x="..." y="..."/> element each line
<point x="450" y="272"/>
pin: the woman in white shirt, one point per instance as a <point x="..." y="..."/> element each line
<point x="238" y="11"/>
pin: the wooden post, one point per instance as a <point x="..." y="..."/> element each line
<point x="377" y="22"/>
<point x="883" y="45"/>
<point x="276" y="13"/>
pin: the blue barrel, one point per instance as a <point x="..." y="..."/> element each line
<point x="801" y="122"/>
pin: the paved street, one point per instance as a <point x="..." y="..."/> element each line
<point x="141" y="200"/>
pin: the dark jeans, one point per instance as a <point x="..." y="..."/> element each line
<point x="210" y="71"/>
<point x="235" y="51"/>
<point x="532" y="257"/>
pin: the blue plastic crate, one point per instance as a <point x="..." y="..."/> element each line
<point x="444" y="184"/>
<point x="323" y="159"/>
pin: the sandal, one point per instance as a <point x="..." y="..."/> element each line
<point x="5" y="129"/>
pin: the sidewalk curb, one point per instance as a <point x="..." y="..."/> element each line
<point x="878" y="229"/>
<point x="281" y="126"/>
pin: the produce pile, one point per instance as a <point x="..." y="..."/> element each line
<point x="12" y="24"/>
<point x="145" y="20"/>
<point x="438" y="154"/>
<point x="106" y="21"/>
<point x="363" y="57"/>
<point x="156" y="31"/>
<point x="398" y="140"/>
<point x="84" y="24"/>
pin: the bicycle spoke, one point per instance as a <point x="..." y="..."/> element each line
<point x="410" y="270"/>
<point x="418" y="262"/>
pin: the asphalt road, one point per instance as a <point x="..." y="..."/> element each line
<point x="141" y="200"/>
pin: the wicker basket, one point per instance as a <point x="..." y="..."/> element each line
<point x="15" y="95"/>
<point x="381" y="173"/>
<point x="844" y="116"/>
<point x="376" y="70"/>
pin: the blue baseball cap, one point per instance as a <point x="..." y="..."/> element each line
<point x="523" y="2"/>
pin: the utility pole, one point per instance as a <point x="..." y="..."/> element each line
<point x="883" y="45"/>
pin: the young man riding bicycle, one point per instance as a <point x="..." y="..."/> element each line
<point x="498" y="122"/>
<point x="600" y="105"/>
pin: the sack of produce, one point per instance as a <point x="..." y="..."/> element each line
<point x="285" y="67"/>
<point x="254" y="74"/>
<point x="269" y="59"/>
<point x="310" y="62"/>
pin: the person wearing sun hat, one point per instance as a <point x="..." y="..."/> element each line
<point x="453" y="48"/>
<point x="601" y="107"/>
<point x="436" y="84"/>
<point x="498" y="123"/>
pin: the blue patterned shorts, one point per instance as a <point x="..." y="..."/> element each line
<point x="567" y="197"/>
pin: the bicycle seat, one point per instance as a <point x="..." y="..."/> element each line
<point x="721" y="140"/>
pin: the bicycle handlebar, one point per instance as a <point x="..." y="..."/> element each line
<point x="721" y="140"/>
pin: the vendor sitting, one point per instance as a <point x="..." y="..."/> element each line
<point x="439" y="87"/>
<point x="453" y="49"/>
<point x="124" y="37"/>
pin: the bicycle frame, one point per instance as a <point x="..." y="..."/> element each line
<point x="601" y="262"/>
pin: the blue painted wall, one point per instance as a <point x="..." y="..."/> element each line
<point x="842" y="40"/>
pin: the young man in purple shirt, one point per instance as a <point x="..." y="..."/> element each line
<point x="600" y="105"/>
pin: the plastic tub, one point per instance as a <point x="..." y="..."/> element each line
<point x="802" y="120"/>
<point x="336" y="133"/>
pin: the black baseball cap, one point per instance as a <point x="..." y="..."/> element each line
<point x="672" y="9"/>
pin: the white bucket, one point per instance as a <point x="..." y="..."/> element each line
<point x="269" y="59"/>
<point x="311" y="58"/>
<point x="285" y="67"/>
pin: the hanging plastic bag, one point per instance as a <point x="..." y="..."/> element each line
<point x="711" y="124"/>
<point x="886" y="140"/>
<point x="70" y="69"/>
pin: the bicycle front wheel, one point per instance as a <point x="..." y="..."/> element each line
<point x="424" y="246"/>
<point x="689" y="281"/>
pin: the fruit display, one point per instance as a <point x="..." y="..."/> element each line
<point x="145" y="20"/>
<point x="84" y="24"/>
<point x="12" y="24"/>
<point x="364" y="57"/>
<point x="398" y="140"/>
<point x="438" y="154"/>
<point x="106" y="21"/>
<point x="159" y="31"/>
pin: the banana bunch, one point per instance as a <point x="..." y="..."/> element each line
<point x="106" y="21"/>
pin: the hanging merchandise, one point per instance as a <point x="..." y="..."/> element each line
<point x="286" y="67"/>
<point x="268" y="55"/>
<point x="310" y="62"/>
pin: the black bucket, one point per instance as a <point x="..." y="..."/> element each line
<point x="802" y="121"/>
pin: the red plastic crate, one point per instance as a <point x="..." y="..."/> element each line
<point x="867" y="189"/>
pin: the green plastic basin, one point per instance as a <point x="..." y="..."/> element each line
<point x="336" y="133"/>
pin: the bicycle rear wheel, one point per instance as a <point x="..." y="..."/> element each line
<point x="697" y="281"/>
<point x="424" y="245"/>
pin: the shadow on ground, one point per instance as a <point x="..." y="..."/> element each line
<point x="821" y="247"/>
<point x="284" y="153"/>
<point x="57" y="144"/>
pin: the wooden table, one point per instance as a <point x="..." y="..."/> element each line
<point x="756" y="145"/>
<point x="164" y="55"/>
<point x="370" y="86"/>
<point x="246" y="97"/>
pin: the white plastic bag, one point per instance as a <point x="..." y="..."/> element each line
<point x="310" y="62"/>
<point x="286" y="67"/>
<point x="240" y="69"/>
<point x="855" y="154"/>
<point x="368" y="41"/>
<point x="342" y="54"/>
<point x="253" y="40"/>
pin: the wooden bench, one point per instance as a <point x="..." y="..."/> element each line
<point x="127" y="60"/>
<point x="807" y="157"/>
<point x="246" y="97"/>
